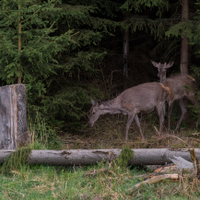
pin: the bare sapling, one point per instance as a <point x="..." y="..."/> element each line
<point x="143" y="98"/>
<point x="180" y="86"/>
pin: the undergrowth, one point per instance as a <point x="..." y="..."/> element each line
<point x="124" y="157"/>
<point x="42" y="136"/>
<point x="15" y="161"/>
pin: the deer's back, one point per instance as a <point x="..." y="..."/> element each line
<point x="143" y="97"/>
<point x="178" y="84"/>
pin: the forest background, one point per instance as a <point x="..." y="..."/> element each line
<point x="68" y="51"/>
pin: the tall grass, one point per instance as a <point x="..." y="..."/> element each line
<point x="42" y="136"/>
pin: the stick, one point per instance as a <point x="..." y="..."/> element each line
<point x="155" y="180"/>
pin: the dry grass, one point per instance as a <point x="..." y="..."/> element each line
<point x="48" y="182"/>
<point x="109" y="132"/>
<point x="182" y="189"/>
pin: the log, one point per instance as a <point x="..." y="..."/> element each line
<point x="13" y="122"/>
<point x="92" y="156"/>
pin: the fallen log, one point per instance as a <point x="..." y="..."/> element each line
<point x="92" y="156"/>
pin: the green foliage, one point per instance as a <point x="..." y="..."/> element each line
<point x="43" y="136"/>
<point x="194" y="38"/>
<point x="143" y="23"/>
<point x="126" y="154"/>
<point x="196" y="75"/>
<point x="179" y="29"/>
<point x="63" y="43"/>
<point x="51" y="55"/>
<point x="153" y="22"/>
<point x="139" y="4"/>
<point x="38" y="47"/>
<point x="15" y="161"/>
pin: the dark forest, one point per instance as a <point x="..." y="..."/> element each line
<point x="67" y="52"/>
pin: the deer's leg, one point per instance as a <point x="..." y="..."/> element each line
<point x="161" y="114"/>
<point x="128" y="124"/>
<point x="138" y="124"/>
<point x="169" y="116"/>
<point x="183" y="110"/>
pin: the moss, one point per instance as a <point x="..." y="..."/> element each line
<point x="126" y="154"/>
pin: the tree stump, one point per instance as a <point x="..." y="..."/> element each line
<point x="13" y="122"/>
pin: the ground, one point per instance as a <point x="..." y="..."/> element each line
<point x="109" y="132"/>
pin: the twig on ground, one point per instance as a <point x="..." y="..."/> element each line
<point x="157" y="132"/>
<point x="94" y="172"/>
<point x="155" y="180"/>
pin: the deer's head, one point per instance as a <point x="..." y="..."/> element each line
<point x="95" y="112"/>
<point x="162" y="68"/>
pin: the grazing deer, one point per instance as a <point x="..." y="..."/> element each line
<point x="180" y="86"/>
<point x="142" y="98"/>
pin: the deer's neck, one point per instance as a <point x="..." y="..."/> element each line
<point x="111" y="106"/>
<point x="163" y="80"/>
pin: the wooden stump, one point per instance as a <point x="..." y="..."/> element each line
<point x="13" y="122"/>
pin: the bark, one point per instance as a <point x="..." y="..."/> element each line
<point x="19" y="43"/>
<point x="125" y="47"/>
<point x="184" y="41"/>
<point x="125" y="52"/>
<point x="88" y="157"/>
<point x="13" y="124"/>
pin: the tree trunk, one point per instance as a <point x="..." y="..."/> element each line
<point x="125" y="47"/>
<point x="92" y="156"/>
<point x="19" y="43"/>
<point x="184" y="41"/>
<point x="125" y="52"/>
<point x="13" y="124"/>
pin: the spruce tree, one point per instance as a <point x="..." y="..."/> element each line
<point x="27" y="49"/>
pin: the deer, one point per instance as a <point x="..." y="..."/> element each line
<point x="143" y="98"/>
<point x="180" y="86"/>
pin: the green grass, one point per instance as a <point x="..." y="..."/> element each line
<point x="71" y="183"/>
<point x="50" y="182"/>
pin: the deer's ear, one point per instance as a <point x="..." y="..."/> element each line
<point x="93" y="102"/>
<point x="170" y="64"/>
<point x="154" y="63"/>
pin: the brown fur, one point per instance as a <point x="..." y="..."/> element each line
<point x="180" y="86"/>
<point x="142" y="98"/>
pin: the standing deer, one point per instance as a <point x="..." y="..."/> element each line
<point x="180" y="86"/>
<point x="142" y="98"/>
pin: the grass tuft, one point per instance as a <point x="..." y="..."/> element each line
<point x="126" y="154"/>
<point x="15" y="161"/>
